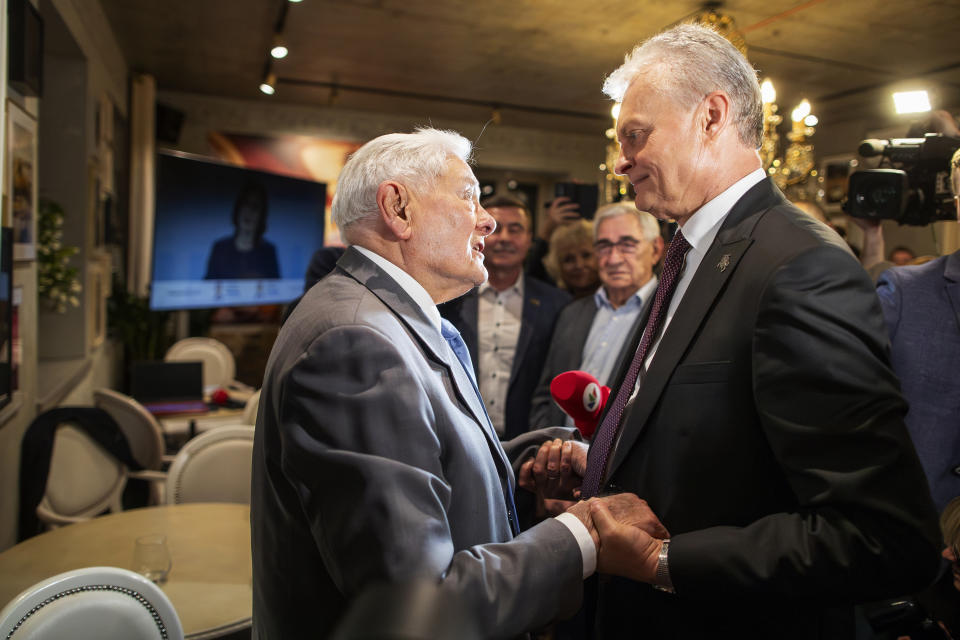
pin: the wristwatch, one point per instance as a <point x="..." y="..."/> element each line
<point x="662" y="579"/>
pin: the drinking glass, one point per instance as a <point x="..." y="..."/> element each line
<point x="151" y="557"/>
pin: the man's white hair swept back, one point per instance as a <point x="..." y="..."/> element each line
<point x="695" y="61"/>
<point x="415" y="159"/>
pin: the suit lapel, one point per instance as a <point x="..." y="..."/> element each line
<point x="470" y="321"/>
<point x="718" y="266"/>
<point x="581" y="331"/>
<point x="951" y="274"/>
<point x="528" y="320"/>
<point x="420" y="326"/>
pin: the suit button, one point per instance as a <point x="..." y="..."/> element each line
<point x="956" y="470"/>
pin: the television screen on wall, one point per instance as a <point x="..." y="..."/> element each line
<point x="229" y="236"/>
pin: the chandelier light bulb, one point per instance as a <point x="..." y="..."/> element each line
<point x="802" y="111"/>
<point x="811" y="120"/>
<point x="615" y="110"/>
<point x="279" y="51"/>
<point x="767" y="93"/>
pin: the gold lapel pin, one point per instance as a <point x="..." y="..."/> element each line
<point x="724" y="262"/>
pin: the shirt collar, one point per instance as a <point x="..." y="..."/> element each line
<point x="516" y="287"/>
<point x="602" y="300"/>
<point x="413" y="288"/>
<point x="697" y="229"/>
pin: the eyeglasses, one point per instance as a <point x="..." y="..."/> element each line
<point x="626" y="247"/>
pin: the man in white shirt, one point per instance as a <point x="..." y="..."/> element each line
<point x="374" y="460"/>
<point x="591" y="332"/>
<point x="507" y="322"/>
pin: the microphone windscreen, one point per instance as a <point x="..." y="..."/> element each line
<point x="581" y="397"/>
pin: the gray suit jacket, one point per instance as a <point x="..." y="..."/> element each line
<point x="373" y="461"/>
<point x="566" y="354"/>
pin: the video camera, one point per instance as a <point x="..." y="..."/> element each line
<point x="916" y="191"/>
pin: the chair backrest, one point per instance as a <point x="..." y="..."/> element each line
<point x="144" y="434"/>
<point x="84" y="479"/>
<point x="219" y="367"/>
<point x="250" y="409"/>
<point x="213" y="467"/>
<point x="91" y="603"/>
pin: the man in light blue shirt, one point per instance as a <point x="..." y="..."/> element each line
<point x="590" y="332"/>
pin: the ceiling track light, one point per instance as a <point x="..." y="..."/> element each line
<point x="279" y="49"/>
<point x="269" y="84"/>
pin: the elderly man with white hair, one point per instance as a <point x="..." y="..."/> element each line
<point x="591" y="332"/>
<point x="374" y="460"/>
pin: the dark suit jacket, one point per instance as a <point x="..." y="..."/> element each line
<point x="768" y="436"/>
<point x="373" y="461"/>
<point x="541" y="306"/>
<point x="922" y="308"/>
<point x="566" y="354"/>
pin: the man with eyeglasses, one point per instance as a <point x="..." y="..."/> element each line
<point x="591" y="332"/>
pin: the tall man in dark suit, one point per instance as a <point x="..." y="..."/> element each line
<point x="374" y="459"/>
<point x="759" y="416"/>
<point x="508" y="321"/>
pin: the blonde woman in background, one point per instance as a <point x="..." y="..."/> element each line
<point x="571" y="261"/>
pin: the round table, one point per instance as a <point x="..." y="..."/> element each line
<point x="209" y="584"/>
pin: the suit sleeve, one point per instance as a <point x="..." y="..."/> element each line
<point x="889" y="289"/>
<point x="544" y="412"/>
<point x="361" y="446"/>
<point x="830" y="408"/>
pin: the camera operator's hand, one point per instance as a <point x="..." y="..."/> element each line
<point x="942" y="122"/>
<point x="562" y="210"/>
<point x="873" y="243"/>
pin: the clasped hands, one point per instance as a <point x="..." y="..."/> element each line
<point x="627" y="533"/>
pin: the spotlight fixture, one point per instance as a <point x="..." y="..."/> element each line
<point x="268" y="86"/>
<point x="296" y="1"/>
<point x="279" y="49"/>
<point x="911" y="101"/>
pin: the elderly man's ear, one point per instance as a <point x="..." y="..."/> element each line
<point x="392" y="201"/>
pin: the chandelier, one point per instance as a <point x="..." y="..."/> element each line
<point x="797" y="162"/>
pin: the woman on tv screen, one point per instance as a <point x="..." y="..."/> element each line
<point x="245" y="254"/>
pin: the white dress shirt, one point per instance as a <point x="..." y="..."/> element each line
<point x="700" y="230"/>
<point x="415" y="290"/>
<point x="499" y="316"/>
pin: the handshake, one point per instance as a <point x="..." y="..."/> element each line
<point x="626" y="532"/>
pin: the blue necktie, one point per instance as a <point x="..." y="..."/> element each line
<point x="459" y="347"/>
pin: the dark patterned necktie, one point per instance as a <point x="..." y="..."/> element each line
<point x="603" y="439"/>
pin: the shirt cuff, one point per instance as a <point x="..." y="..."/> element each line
<point x="587" y="549"/>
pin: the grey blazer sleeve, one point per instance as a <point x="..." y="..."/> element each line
<point x="395" y="478"/>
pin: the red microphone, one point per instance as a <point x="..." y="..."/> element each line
<point x="581" y="397"/>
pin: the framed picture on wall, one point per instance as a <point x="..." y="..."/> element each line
<point x="21" y="158"/>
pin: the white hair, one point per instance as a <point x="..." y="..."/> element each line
<point x="648" y="224"/>
<point x="417" y="158"/>
<point x="696" y="61"/>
